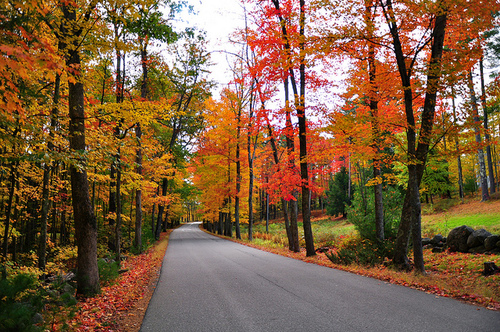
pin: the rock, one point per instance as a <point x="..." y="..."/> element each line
<point x="38" y="318"/>
<point x="490" y="268"/>
<point x="498" y="244"/>
<point x="495" y="251"/>
<point x="457" y="238"/>
<point x="477" y="250"/>
<point x="438" y="249"/>
<point x="426" y="241"/>
<point x="69" y="276"/>
<point x="67" y="288"/>
<point x="323" y="249"/>
<point x="437" y="239"/>
<point x="477" y="238"/>
<point x="491" y="242"/>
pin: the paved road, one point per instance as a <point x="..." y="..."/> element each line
<point x="211" y="284"/>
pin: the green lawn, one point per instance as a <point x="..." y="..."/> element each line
<point x="445" y="222"/>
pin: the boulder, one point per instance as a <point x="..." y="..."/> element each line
<point x="437" y="239"/>
<point x="457" y="238"/>
<point x="477" y="250"/>
<point x="491" y="242"/>
<point x="477" y="237"/>
<point x="498" y="244"/>
<point x="425" y="241"/>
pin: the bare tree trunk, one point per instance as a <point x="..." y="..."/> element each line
<point x="486" y="133"/>
<point x="290" y="148"/>
<point x="118" y="224"/>
<point x="42" y="245"/>
<point x="459" y="160"/>
<point x="8" y="212"/>
<point x="238" y="178"/>
<point x="480" y="153"/>
<point x="251" y="157"/>
<point x="47" y="170"/>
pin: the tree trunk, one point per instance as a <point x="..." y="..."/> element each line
<point x="375" y="126"/>
<point x="251" y="157"/>
<point x="480" y="153"/>
<point x="8" y="212"/>
<point x="238" y="178"/>
<point x="486" y="133"/>
<point x="417" y="155"/>
<point x="291" y="242"/>
<point x="459" y="160"/>
<point x="138" y="192"/>
<point x="85" y="221"/>
<point x="42" y="245"/>
<point x="47" y="177"/>
<point x="118" y="224"/>
<point x="301" y="114"/>
<point x="160" y="209"/>
<point x="267" y="212"/>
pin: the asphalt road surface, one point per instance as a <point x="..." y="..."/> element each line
<point x="212" y="284"/>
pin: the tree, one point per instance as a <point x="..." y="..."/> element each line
<point x="480" y="152"/>
<point x="416" y="149"/>
<point x="72" y="30"/>
<point x="337" y="194"/>
<point x="149" y="26"/>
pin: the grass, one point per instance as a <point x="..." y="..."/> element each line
<point x="471" y="213"/>
<point x="454" y="275"/>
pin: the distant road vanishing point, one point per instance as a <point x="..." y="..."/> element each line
<point x="211" y="284"/>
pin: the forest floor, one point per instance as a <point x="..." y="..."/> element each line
<point x="122" y="305"/>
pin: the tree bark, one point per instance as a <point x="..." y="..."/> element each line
<point x="118" y="224"/>
<point x="138" y="192"/>
<point x="417" y="155"/>
<point x="375" y="126"/>
<point x="480" y="153"/>
<point x="8" y="212"/>
<point x="291" y="243"/>
<point x="238" y="178"/>
<point x="251" y="157"/>
<point x="301" y="114"/>
<point x="459" y="160"/>
<point x="293" y="205"/>
<point x="42" y="245"/>
<point x="85" y="221"/>
<point x="491" y="175"/>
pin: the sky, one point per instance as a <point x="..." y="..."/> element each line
<point x="219" y="18"/>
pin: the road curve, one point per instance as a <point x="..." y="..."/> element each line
<point x="212" y="284"/>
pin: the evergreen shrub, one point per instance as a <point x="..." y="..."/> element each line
<point x="361" y="213"/>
